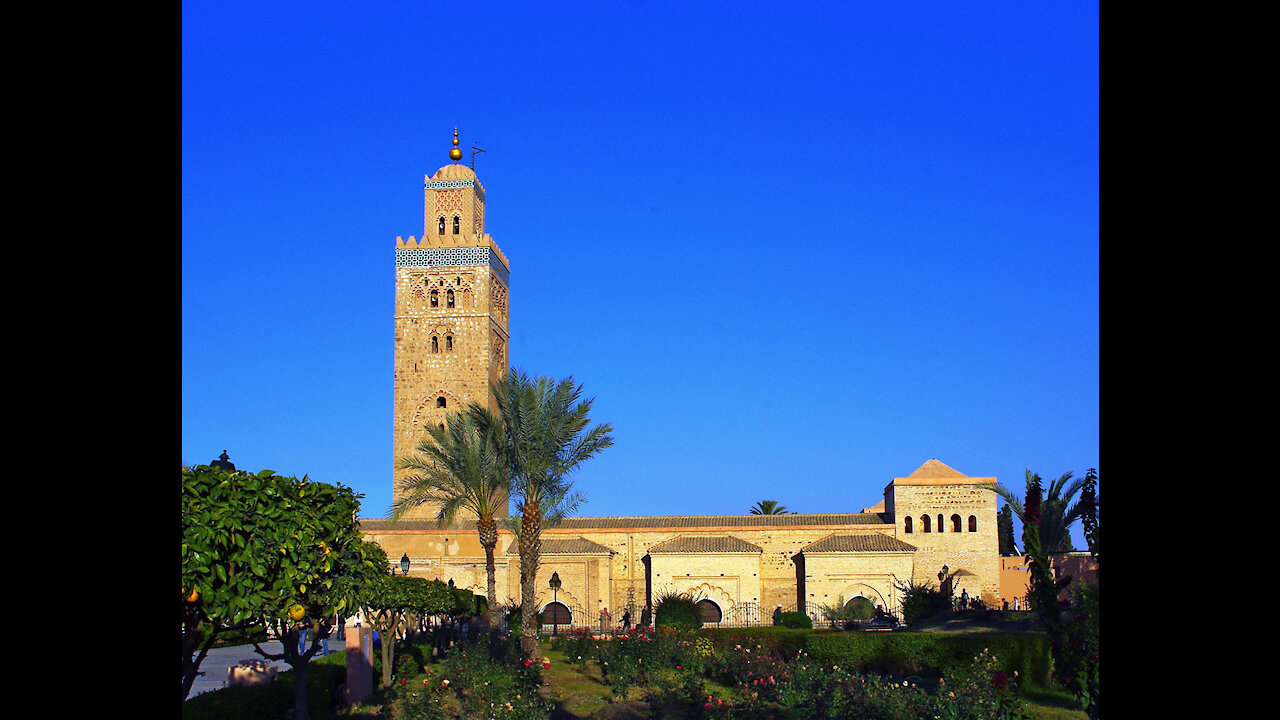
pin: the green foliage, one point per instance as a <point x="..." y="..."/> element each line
<point x="913" y="653"/>
<point x="1004" y="531"/>
<point x="795" y="620"/>
<point x="769" y="507"/>
<point x="253" y="545"/>
<point x="676" y="611"/>
<point x="921" y="601"/>
<point x="1056" y="510"/>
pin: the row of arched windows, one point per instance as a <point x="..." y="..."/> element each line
<point x="457" y="225"/>
<point x="448" y="298"/>
<point x="435" y="343"/>
<point x="926" y="524"/>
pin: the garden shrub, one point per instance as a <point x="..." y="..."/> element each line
<point x="795" y="620"/>
<point x="935" y="654"/>
<point x="677" y="611"/>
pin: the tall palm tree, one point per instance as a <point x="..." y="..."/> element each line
<point x="769" y="507"/>
<point x="461" y="468"/>
<point x="545" y="438"/>
<point x="1058" y="510"/>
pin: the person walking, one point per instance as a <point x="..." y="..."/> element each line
<point x="646" y="615"/>
<point x="626" y="619"/>
<point x="604" y="620"/>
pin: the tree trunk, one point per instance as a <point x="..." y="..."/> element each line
<point x="530" y="545"/>
<point x="388" y="652"/>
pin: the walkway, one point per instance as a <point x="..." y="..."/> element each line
<point x="219" y="659"/>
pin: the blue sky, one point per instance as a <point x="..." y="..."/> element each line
<point x="793" y="252"/>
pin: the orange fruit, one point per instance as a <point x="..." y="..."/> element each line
<point x="297" y="612"/>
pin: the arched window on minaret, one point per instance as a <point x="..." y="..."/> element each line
<point x="441" y="225"/>
<point x="448" y="343"/>
<point x="907" y="525"/>
<point x="924" y="523"/>
<point x="441" y="402"/>
<point x="435" y="344"/>
<point x="941" y="524"/>
<point x="457" y="225"/>
<point x="973" y="523"/>
<point x="448" y="298"/>
<point x="955" y="523"/>
<point x="435" y="298"/>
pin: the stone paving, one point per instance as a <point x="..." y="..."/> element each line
<point x="219" y="659"/>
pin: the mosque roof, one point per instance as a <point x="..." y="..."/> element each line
<point x="661" y="521"/>
<point x="575" y="546"/>
<point x="870" y="542"/>
<point x="705" y="544"/>
<point x="936" y="469"/>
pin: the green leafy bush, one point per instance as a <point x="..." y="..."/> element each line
<point x="677" y="611"/>
<point x="324" y="676"/>
<point x="795" y="620"/>
<point x="935" y="654"/>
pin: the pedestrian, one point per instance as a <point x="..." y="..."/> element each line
<point x="326" y="629"/>
<point x="626" y="619"/>
<point x="604" y="619"/>
<point x="1004" y="604"/>
<point x="646" y="615"/>
<point x="302" y="638"/>
<point x="964" y="598"/>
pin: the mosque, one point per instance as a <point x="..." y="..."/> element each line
<point x="451" y="337"/>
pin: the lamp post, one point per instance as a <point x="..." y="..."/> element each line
<point x="404" y="564"/>
<point x="555" y="594"/>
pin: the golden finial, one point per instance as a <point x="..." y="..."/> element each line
<point x="454" y="153"/>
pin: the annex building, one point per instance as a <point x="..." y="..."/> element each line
<point x="451" y="338"/>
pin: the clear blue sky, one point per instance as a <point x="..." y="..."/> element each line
<point x="792" y="251"/>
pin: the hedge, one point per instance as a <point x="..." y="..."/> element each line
<point x="256" y="702"/>
<point x="916" y="653"/>
<point x="906" y="653"/>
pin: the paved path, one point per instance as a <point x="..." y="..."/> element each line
<point x="219" y="659"/>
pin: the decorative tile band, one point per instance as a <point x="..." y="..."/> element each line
<point x="443" y="184"/>
<point x="446" y="257"/>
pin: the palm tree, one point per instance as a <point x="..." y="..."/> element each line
<point x="1058" y="510"/>
<point x="545" y="437"/>
<point x="769" y="507"/>
<point x="461" y="468"/>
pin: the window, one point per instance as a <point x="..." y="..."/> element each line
<point x="941" y="525"/>
<point x="955" y="523"/>
<point x="973" y="523"/>
<point x="441" y="402"/>
<point x="457" y="225"/>
<point x="448" y="298"/>
<point x="924" y="523"/>
<point x="435" y="344"/>
<point x="448" y="346"/>
<point x="441" y="232"/>
<point x="435" y="298"/>
<point x="907" y="525"/>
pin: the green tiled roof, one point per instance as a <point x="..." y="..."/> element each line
<point x="714" y="544"/>
<point x="872" y="542"/>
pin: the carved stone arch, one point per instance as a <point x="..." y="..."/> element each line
<point x="427" y="409"/>
<point x="546" y="596"/>
<point x="719" y="595"/>
<point x="856" y="589"/>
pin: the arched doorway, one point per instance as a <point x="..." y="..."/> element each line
<point x="556" y="613"/>
<point x="860" y="608"/>
<point x="708" y="611"/>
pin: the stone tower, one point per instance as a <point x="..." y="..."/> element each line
<point x="452" y="291"/>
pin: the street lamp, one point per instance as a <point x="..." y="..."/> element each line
<point x="404" y="564"/>
<point x="555" y="594"/>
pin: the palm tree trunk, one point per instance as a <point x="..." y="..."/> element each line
<point x="530" y="545"/>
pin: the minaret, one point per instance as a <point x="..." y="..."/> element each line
<point x="452" y="288"/>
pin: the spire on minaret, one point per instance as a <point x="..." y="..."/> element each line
<point x="454" y="153"/>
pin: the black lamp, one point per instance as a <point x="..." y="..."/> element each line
<point x="554" y="584"/>
<point x="404" y="564"/>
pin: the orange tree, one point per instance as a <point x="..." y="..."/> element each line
<point x="387" y="603"/>
<point x="268" y="551"/>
